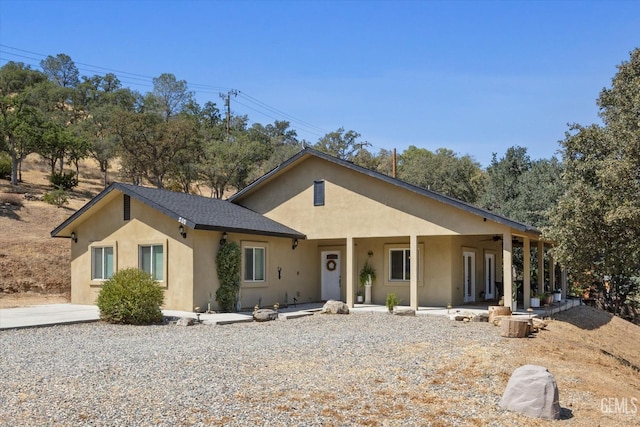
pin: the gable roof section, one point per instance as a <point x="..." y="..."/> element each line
<point x="196" y="212"/>
<point x="306" y="152"/>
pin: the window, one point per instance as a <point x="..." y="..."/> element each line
<point x="254" y="263"/>
<point x="101" y="263"/>
<point x="126" y="208"/>
<point x="151" y="260"/>
<point x="318" y="193"/>
<point x="400" y="264"/>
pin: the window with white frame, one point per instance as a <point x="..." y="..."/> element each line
<point x="151" y="260"/>
<point x="400" y="264"/>
<point x="102" y="262"/>
<point x="254" y="263"/>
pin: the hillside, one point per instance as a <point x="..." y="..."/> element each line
<point x="34" y="268"/>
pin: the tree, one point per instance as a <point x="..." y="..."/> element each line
<point x="596" y="224"/>
<point x="149" y="145"/>
<point x="442" y="171"/>
<point x="341" y="144"/>
<point x="19" y="118"/>
<point x="61" y="70"/>
<point x="170" y="95"/>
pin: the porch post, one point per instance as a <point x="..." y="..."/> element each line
<point x="565" y="290"/>
<point x="552" y="273"/>
<point x="526" y="275"/>
<point x="349" y="272"/>
<point x="413" y="265"/>
<point x="540" y="267"/>
<point x="507" y="262"/>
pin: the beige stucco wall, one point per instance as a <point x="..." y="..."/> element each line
<point x="147" y="226"/>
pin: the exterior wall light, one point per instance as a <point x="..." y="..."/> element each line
<point x="74" y="237"/>
<point x="294" y="244"/>
<point x="224" y="238"/>
<point x="182" y="231"/>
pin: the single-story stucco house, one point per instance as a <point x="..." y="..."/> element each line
<point x="306" y="229"/>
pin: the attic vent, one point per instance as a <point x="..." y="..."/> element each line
<point x="126" y="213"/>
<point x="318" y="193"/>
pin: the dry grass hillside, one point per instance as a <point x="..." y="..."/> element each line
<point x="34" y="268"/>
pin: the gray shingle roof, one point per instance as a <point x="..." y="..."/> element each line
<point x="196" y="212"/>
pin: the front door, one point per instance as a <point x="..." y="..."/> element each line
<point x="330" y="275"/>
<point x="469" y="259"/>
<point x="489" y="276"/>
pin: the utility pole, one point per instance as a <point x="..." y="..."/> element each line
<point x="227" y="102"/>
<point x="393" y="161"/>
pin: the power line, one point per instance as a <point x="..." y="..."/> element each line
<point x="142" y="80"/>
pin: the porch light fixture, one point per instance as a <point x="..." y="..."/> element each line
<point x="74" y="237"/>
<point x="294" y="244"/>
<point x="182" y="232"/>
<point x="224" y="238"/>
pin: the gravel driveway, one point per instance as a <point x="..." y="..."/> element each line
<point x="360" y="369"/>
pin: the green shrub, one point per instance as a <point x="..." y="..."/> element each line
<point x="131" y="296"/>
<point x="56" y="197"/>
<point x="392" y="301"/>
<point x="228" y="263"/>
<point x="64" y="180"/>
<point x="5" y="166"/>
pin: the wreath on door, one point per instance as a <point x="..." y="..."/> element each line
<point x="331" y="265"/>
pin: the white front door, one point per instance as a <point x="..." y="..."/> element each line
<point x="489" y="276"/>
<point x="330" y="275"/>
<point x="469" y="259"/>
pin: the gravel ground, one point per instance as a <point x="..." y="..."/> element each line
<point x="360" y="369"/>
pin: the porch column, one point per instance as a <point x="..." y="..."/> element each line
<point x="507" y="262"/>
<point x="526" y="275"/>
<point x="565" y="290"/>
<point x="349" y="271"/>
<point x="540" y="267"/>
<point x="552" y="273"/>
<point x="413" y="265"/>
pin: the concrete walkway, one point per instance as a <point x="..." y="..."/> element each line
<point x="60" y="314"/>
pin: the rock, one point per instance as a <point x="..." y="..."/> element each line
<point x="265" y="315"/>
<point x="335" y="307"/>
<point x="184" y="321"/>
<point x="405" y="312"/>
<point x="482" y="317"/>
<point x="532" y="391"/>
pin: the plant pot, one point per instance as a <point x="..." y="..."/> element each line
<point x="367" y="294"/>
<point x="359" y="298"/>
<point x="535" y="302"/>
<point x="548" y="299"/>
<point x="557" y="296"/>
<point x="514" y="306"/>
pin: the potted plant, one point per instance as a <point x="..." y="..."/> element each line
<point x="367" y="276"/>
<point x="392" y="301"/>
<point x="548" y="298"/>
<point x="359" y="297"/>
<point x="535" y="300"/>
<point x="557" y="295"/>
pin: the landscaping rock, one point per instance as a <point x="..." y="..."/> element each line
<point x="265" y="315"/>
<point x="335" y="307"/>
<point x="184" y="321"/>
<point x="532" y="391"/>
<point x="482" y="317"/>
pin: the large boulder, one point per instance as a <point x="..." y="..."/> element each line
<point x="335" y="307"/>
<point x="264" y="315"/>
<point x="532" y="391"/>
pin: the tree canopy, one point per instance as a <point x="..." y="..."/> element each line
<point x="596" y="223"/>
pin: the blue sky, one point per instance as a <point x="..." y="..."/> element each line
<point x="473" y="76"/>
